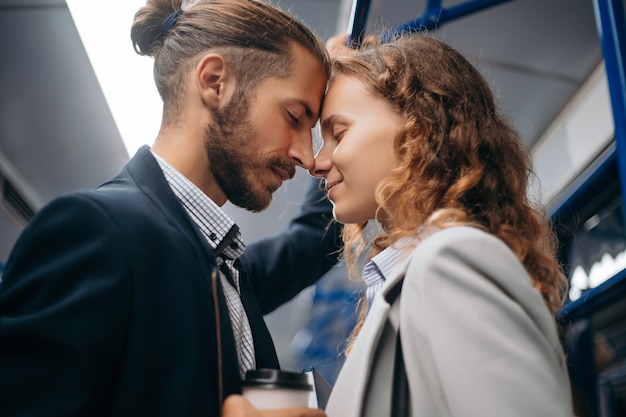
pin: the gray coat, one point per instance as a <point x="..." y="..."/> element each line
<point x="478" y="339"/>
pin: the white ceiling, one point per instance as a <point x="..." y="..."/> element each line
<point x="535" y="53"/>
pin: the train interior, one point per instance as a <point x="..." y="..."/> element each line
<point x="557" y="67"/>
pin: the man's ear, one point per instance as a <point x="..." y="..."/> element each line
<point x="214" y="81"/>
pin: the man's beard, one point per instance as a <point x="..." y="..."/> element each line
<point x="232" y="149"/>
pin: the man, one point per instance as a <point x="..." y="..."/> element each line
<point x="132" y="299"/>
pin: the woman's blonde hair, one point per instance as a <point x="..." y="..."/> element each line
<point x="458" y="160"/>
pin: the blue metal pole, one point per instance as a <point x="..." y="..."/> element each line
<point x="358" y="21"/>
<point x="435" y="15"/>
<point x="611" y="22"/>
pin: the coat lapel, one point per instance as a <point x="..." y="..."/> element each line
<point x="146" y="173"/>
<point x="265" y="356"/>
<point x="350" y="393"/>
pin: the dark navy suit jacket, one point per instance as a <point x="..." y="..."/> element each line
<point x="108" y="306"/>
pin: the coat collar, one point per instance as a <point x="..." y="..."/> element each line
<point x="393" y="283"/>
<point x="145" y="171"/>
<point x="348" y="396"/>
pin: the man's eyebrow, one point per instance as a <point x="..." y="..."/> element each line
<point x="307" y="110"/>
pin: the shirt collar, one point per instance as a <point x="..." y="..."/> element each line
<point x="216" y="226"/>
<point x="381" y="266"/>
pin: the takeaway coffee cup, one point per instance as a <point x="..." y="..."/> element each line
<point x="273" y="388"/>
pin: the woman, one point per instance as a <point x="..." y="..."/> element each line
<point x="412" y="139"/>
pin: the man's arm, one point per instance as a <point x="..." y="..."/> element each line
<point x="62" y="313"/>
<point x="281" y="266"/>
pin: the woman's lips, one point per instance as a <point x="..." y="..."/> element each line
<point x="330" y="186"/>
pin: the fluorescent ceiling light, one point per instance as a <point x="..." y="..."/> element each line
<point x="125" y="77"/>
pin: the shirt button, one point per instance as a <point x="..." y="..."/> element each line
<point x="212" y="236"/>
<point x="234" y="245"/>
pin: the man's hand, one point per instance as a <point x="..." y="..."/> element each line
<point x="337" y="44"/>
<point x="237" y="406"/>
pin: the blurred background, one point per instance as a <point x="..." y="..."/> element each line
<point x="76" y="102"/>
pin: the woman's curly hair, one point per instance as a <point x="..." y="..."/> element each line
<point x="458" y="160"/>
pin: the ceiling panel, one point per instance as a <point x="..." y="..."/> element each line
<point x="56" y="130"/>
<point x="535" y="53"/>
<point x="55" y="126"/>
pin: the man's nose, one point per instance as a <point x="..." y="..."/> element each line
<point x="301" y="150"/>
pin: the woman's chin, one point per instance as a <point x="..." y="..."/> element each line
<point x="347" y="218"/>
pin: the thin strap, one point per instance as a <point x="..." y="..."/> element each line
<point x="400" y="389"/>
<point x="393" y="292"/>
<point x="218" y="331"/>
<point x="400" y="394"/>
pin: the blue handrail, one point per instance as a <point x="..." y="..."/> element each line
<point x="358" y="20"/>
<point x="611" y="25"/>
<point x="585" y="188"/>
<point x="606" y="293"/>
<point x="611" y="22"/>
<point x="433" y="16"/>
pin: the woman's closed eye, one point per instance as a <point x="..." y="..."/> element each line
<point x="338" y="134"/>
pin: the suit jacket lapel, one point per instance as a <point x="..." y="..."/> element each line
<point x="265" y="356"/>
<point x="144" y="170"/>
<point x="147" y="174"/>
